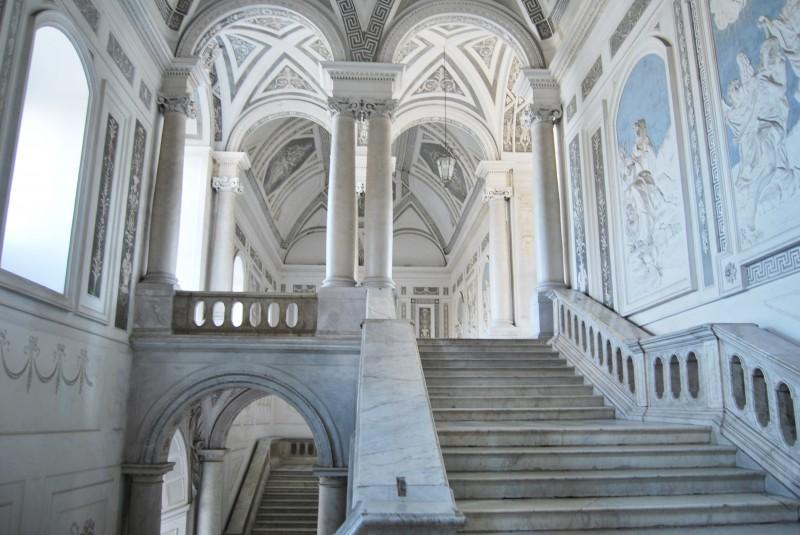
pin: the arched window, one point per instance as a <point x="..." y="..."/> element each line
<point x="175" y="488"/>
<point x="238" y="274"/>
<point x="44" y="183"/>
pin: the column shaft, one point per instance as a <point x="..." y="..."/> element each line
<point x="500" y="262"/>
<point x="547" y="212"/>
<point x="379" y="205"/>
<point x="144" y="503"/>
<point x="221" y="268"/>
<point x="212" y="484"/>
<point x="166" y="214"/>
<point x="332" y="504"/>
<point x="340" y="243"/>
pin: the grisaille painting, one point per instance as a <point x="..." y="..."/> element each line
<point x="650" y="195"/>
<point x="758" y="53"/>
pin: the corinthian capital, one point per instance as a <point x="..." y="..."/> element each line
<point x="363" y="108"/>
<point x="538" y="114"/>
<point x="183" y="104"/>
<point x="225" y="184"/>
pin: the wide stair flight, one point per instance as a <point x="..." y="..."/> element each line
<point x="530" y="448"/>
<point x="290" y="500"/>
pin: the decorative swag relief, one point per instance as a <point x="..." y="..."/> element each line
<point x="758" y="64"/>
<point x="56" y="369"/>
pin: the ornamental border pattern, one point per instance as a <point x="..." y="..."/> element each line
<point x="121" y="59"/>
<point x="89" y="12"/>
<point x="538" y="18"/>
<point x="579" y="236"/>
<point x="627" y="24"/>
<point x="145" y="95"/>
<point x="773" y="267"/>
<point x="364" y="44"/>
<point x="126" y="266"/>
<point x="710" y="133"/>
<point x="694" y="143"/>
<point x="103" y="204"/>
<point x="602" y="218"/>
<point x="592" y="77"/>
<point x="10" y="48"/>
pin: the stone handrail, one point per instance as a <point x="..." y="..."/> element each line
<point x="244" y="313"/>
<point x="740" y="379"/>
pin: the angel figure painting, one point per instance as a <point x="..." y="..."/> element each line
<point x="650" y="194"/>
<point x="758" y="52"/>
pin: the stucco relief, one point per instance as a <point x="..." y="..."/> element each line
<point x="758" y="64"/>
<point x="650" y="193"/>
<point x="45" y="370"/>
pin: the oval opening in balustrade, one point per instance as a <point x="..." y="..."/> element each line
<point x="658" y="372"/>
<point x="786" y="414"/>
<point x="760" y="398"/>
<point x="631" y="376"/>
<point x="577" y="333"/>
<point x="273" y="314"/>
<point x="200" y="313"/>
<point x="620" y="369"/>
<point x="737" y="383"/>
<point x="675" y="376"/>
<point x="609" y="357"/>
<point x="255" y="314"/>
<point x="218" y="313"/>
<point x="693" y="375"/>
<point x="292" y="315"/>
<point x="591" y="342"/>
<point x="563" y="321"/>
<point x="569" y="324"/>
<point x="599" y="348"/>
<point x="237" y="314"/>
<point x="583" y="336"/>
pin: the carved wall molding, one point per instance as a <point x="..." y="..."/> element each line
<point x="602" y="218"/>
<point x="121" y="59"/>
<point x="33" y="367"/>
<point x="578" y="216"/>
<point x="363" y="108"/>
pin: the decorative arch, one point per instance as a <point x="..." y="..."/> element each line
<point x="406" y="119"/>
<point x="226" y="417"/>
<point x="163" y="417"/>
<point x="211" y="21"/>
<point x="493" y="18"/>
<point x="257" y="116"/>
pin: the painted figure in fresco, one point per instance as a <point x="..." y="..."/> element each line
<point x="786" y="30"/>
<point x="757" y="111"/>
<point x="643" y="198"/>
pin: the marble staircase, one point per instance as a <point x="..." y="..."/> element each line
<point x="290" y="500"/>
<point x="530" y="448"/>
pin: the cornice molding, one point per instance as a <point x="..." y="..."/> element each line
<point x="587" y="15"/>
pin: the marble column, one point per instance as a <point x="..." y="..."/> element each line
<point x="143" y="515"/>
<point x="378" y="201"/>
<point x="165" y="218"/>
<point x="212" y="486"/>
<point x="544" y="114"/>
<point x="500" y="277"/>
<point x="332" y="504"/>
<point x="227" y="183"/>
<point x="340" y="237"/>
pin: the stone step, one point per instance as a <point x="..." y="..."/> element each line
<point x="488" y="373"/>
<point x="626" y="512"/>
<point x="287" y="516"/>
<point x="267" y="509"/>
<point x="284" y="531"/>
<point x="492" y="364"/>
<point x="480" y="342"/>
<point x="577" y="433"/>
<point x="285" y="524"/>
<point x="565" y="379"/>
<point x="491" y="402"/>
<point x="738" y="529"/>
<point x="587" y="457"/>
<point x="536" y="354"/>
<point x="603" y="483"/>
<point x="520" y="415"/>
<point x="500" y="391"/>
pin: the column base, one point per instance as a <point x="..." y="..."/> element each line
<point x="378" y="282"/>
<point x="340" y="311"/>
<point x="338" y="282"/>
<point x="542" y="315"/>
<point x="158" y="277"/>
<point x="152" y="310"/>
<point x="505" y="329"/>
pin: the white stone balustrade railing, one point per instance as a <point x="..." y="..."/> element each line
<point x="244" y="313"/>
<point x="742" y="380"/>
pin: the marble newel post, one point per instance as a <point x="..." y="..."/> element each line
<point x="340" y="237"/>
<point x="545" y="112"/>
<point x="227" y="183"/>
<point x="212" y="486"/>
<point x="497" y="177"/>
<point x="378" y="201"/>
<point x="143" y="515"/>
